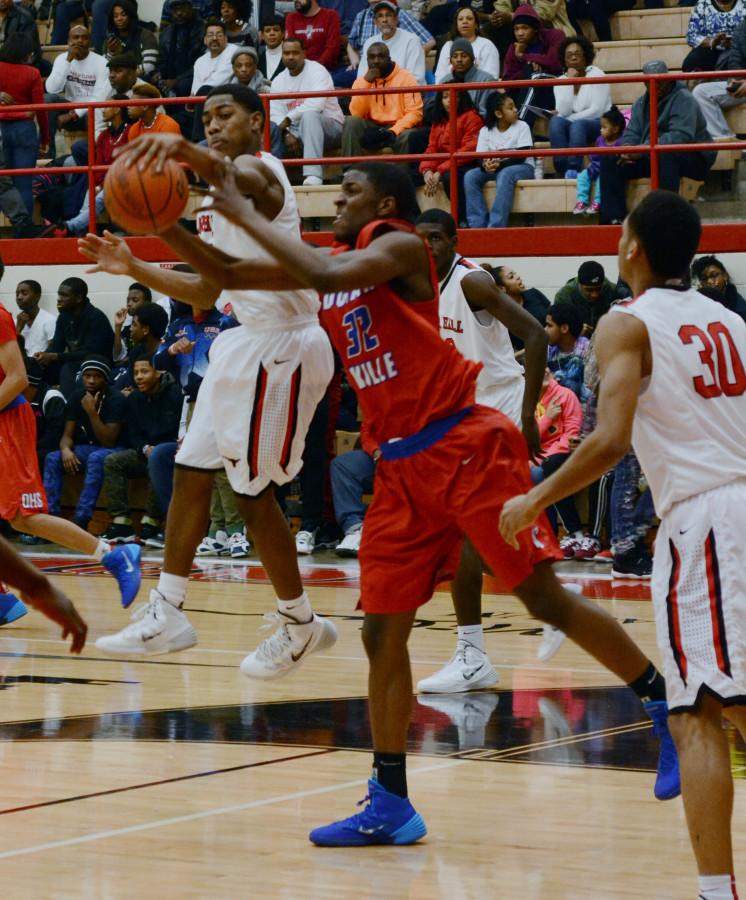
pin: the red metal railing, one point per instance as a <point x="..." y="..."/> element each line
<point x="653" y="148"/>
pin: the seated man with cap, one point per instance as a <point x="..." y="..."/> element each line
<point x="379" y="121"/>
<point x="680" y="121"/>
<point x="464" y="69"/>
<point x="404" y="47"/>
<point x="94" y="418"/>
<point x="591" y="293"/>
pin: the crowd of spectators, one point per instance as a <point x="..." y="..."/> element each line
<point x="370" y="45"/>
<point x="113" y="399"/>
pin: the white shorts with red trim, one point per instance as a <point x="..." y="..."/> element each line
<point x="256" y="402"/>
<point x="699" y="594"/>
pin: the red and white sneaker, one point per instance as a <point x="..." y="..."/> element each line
<point x="568" y="546"/>
<point x="587" y="548"/>
<point x="579" y="208"/>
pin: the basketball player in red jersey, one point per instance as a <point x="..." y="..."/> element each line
<point x="673" y="380"/>
<point x="447" y="465"/>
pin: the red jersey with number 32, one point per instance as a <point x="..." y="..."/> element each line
<point x="405" y="376"/>
<point x="690" y="426"/>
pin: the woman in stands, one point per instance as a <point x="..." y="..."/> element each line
<point x="21" y="83"/>
<point x="577" y="119"/>
<point x="486" y="56"/>
<point x="531" y="299"/>
<point x="127" y="33"/>
<point x="711" y="25"/>
<point x="236" y="17"/>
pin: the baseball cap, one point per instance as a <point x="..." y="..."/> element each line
<point x="389" y="4"/>
<point x="591" y="273"/>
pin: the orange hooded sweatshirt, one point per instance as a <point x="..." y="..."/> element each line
<point x="395" y="111"/>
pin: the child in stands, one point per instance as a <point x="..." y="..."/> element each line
<point x="613" y="124"/>
<point x="567" y="348"/>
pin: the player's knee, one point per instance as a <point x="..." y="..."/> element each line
<point x="382" y="637"/>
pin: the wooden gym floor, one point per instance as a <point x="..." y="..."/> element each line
<point x="175" y="777"/>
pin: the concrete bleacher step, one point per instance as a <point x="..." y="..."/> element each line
<point x="644" y="24"/>
<point x="631" y="56"/>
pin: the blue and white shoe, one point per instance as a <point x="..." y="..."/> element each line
<point x="11" y="608"/>
<point x="668" y="778"/>
<point x="387" y="819"/>
<point x="123" y="562"/>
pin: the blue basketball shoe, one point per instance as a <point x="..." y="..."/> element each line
<point x="123" y="561"/>
<point x="11" y="608"/>
<point x="668" y="778"/>
<point x="387" y="819"/>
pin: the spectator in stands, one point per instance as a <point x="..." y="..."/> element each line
<point x="351" y="476"/>
<point x="319" y="28"/>
<point x="153" y="416"/>
<point x="715" y="96"/>
<point x="109" y="140"/>
<point x="465" y="70"/>
<point x="378" y="120"/>
<point x="136" y="294"/>
<point x="711" y="275"/>
<point x="591" y="293"/>
<point x="366" y="27"/>
<point x="81" y="330"/>
<point x="148" y="119"/>
<point x="12" y="206"/>
<point x="577" y="122"/>
<point x="503" y="131"/>
<point x="246" y="71"/>
<point x="495" y="19"/>
<point x="149" y="324"/>
<point x="215" y="65"/>
<point x="94" y="418"/>
<point x="21" y="83"/>
<point x="404" y="47"/>
<point x="270" y="53"/>
<point x="205" y="9"/>
<point x="680" y="121"/>
<point x="35" y="325"/>
<point x="347" y="10"/>
<point x="48" y="405"/>
<point x="712" y="24"/>
<point x="309" y="127"/>
<point x="486" y="56"/>
<point x="79" y="74"/>
<point x="179" y="46"/>
<point x="16" y="19"/>
<point x="127" y="34"/>
<point x="236" y="15"/>
<point x="535" y="49"/>
<point x="553" y="14"/>
<point x="567" y="346"/>
<point x="613" y="124"/>
<point x="468" y="125"/>
<point x="531" y="299"/>
<point x="632" y="514"/>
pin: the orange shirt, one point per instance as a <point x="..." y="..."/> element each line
<point x="161" y="123"/>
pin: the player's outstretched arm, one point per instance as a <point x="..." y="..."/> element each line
<point x="11" y="363"/>
<point x="39" y="592"/>
<point x="111" y="254"/>
<point x="622" y="351"/>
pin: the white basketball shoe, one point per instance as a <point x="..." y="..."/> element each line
<point x="157" y="627"/>
<point x="469" y="669"/>
<point x="288" y="647"/>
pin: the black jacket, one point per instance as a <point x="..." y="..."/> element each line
<point x="74" y="339"/>
<point x="178" y="48"/>
<point x="262" y="65"/>
<point x="20" y="21"/>
<point x="154" y="419"/>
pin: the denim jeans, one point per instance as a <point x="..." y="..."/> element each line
<point x="631" y="511"/>
<point x="21" y="149"/>
<point x="161" y="473"/>
<point x="351" y="476"/>
<point x="92" y="467"/>
<point x="64" y="13"/>
<point x="505" y="179"/>
<point x="572" y="133"/>
<point x="79" y="224"/>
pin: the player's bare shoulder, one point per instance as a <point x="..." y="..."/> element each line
<point x="261" y="184"/>
<point x="407" y="263"/>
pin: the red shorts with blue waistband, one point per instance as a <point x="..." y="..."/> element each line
<point x="424" y="504"/>
<point x="21" y="486"/>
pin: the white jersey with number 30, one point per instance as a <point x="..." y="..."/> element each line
<point x="689" y="430"/>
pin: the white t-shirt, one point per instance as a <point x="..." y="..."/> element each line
<point x="38" y="335"/>
<point x="274" y="58"/>
<point x="313" y="77"/>
<point x="590" y="102"/>
<point x="486" y="58"/>
<point x="405" y="48"/>
<point x="79" y="79"/>
<point x="213" y="70"/>
<point x="517" y="136"/>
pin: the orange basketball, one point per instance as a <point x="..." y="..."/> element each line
<point x="145" y="202"/>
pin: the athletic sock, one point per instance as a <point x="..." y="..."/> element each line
<point x="717" y="887"/>
<point x="298" y="609"/>
<point x="472" y="634"/>
<point x="102" y="548"/>
<point x="390" y="771"/>
<point x="173" y="588"/>
<point x="650" y="685"/>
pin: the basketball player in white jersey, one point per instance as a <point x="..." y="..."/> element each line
<point x="673" y="379"/>
<point x="254" y="406"/>
<point x="476" y="316"/>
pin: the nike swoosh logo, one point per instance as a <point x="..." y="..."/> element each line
<point x="684" y="530"/>
<point x="465" y="462"/>
<point x="305" y="647"/>
<point x="371" y="830"/>
<point x="128" y="565"/>
<point x="469" y="675"/>
<point x="279" y="362"/>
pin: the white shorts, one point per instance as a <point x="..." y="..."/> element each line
<point x="506" y="397"/>
<point x="699" y="595"/>
<point x="256" y="402"/>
